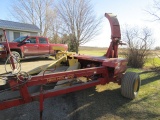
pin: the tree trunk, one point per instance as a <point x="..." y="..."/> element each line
<point x="77" y="46"/>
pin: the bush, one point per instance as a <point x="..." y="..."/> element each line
<point x="157" y="48"/>
<point x="136" y="58"/>
<point x="139" y="43"/>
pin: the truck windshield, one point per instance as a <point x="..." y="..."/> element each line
<point x="20" y="39"/>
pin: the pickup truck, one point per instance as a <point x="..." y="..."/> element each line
<point x="31" y="46"/>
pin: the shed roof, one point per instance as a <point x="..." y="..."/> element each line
<point x="4" y="24"/>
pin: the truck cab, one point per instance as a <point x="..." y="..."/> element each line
<point x="31" y="46"/>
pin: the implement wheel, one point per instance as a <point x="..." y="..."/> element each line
<point x="130" y="85"/>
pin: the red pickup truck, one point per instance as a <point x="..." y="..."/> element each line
<point x="31" y="46"/>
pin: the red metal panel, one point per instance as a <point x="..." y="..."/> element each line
<point x="25" y="94"/>
<point x="11" y="103"/>
<point x="3" y="54"/>
<point x="15" y="102"/>
<point x="69" y="89"/>
<point x="38" y="80"/>
<point x="115" y="27"/>
<point x="11" y="58"/>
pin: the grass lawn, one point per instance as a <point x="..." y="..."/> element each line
<point x="147" y="104"/>
<point x="96" y="52"/>
<point x="148" y="100"/>
<point x="152" y="61"/>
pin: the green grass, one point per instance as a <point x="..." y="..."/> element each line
<point x="95" y="52"/>
<point x="148" y="99"/>
<point x="134" y="70"/>
<point x="150" y="62"/>
<point x="147" y="104"/>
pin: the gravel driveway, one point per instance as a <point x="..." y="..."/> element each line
<point x="27" y="65"/>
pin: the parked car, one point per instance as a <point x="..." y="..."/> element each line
<point x="31" y="46"/>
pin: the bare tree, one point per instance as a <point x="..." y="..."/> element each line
<point x="78" y="20"/>
<point x="38" y="12"/>
<point x="54" y="29"/>
<point x="154" y="10"/>
<point x="139" y="43"/>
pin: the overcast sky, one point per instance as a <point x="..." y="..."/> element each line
<point x="130" y="12"/>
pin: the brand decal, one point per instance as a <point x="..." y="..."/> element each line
<point x="62" y="77"/>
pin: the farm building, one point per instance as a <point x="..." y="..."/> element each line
<point x="16" y="29"/>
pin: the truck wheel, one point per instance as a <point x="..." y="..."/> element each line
<point x="16" y="57"/>
<point x="130" y="85"/>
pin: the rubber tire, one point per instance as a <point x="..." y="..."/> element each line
<point x="130" y="85"/>
<point x="15" y="53"/>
